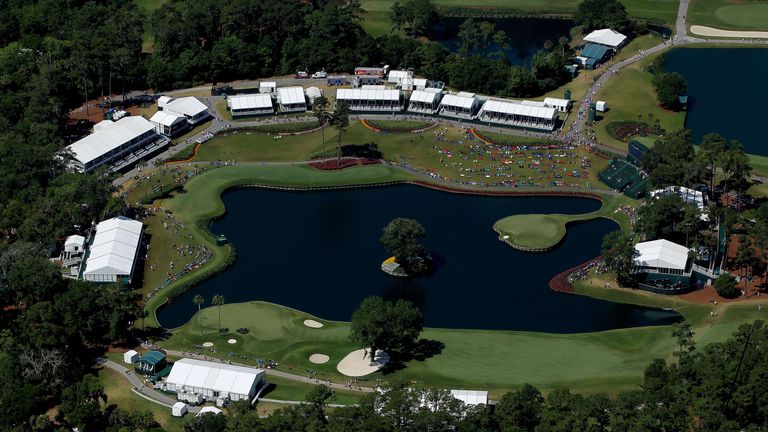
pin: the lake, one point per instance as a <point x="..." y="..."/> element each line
<point x="725" y="88"/>
<point x="319" y="252"/>
<point x="526" y="35"/>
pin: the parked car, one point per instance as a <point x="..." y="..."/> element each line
<point x="321" y="74"/>
<point x="301" y="75"/>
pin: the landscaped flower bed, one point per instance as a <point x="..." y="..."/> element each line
<point x="624" y="130"/>
<point x="330" y="165"/>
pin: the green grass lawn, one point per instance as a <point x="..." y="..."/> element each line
<point x="289" y="390"/>
<point x="119" y="393"/>
<point x="630" y="94"/>
<point x="533" y="231"/>
<point x="495" y="360"/>
<point x="729" y="14"/>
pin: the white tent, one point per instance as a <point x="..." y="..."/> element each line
<point x="607" y="37"/>
<point x="313" y="93"/>
<point x="291" y="98"/>
<point x="253" y="104"/>
<point x="130" y="357"/>
<point x="267" y="86"/>
<point x="111" y="141"/>
<point x="561" y="105"/>
<point x="74" y="244"/>
<point x="208" y="409"/>
<point x="168" y="123"/>
<point x="425" y="101"/>
<point x="471" y="397"/>
<point x="214" y="379"/>
<point x="363" y="99"/>
<point x="189" y="107"/>
<point x="459" y="105"/>
<point x="397" y="76"/>
<point x="528" y="114"/>
<point x="661" y="254"/>
<point x="179" y="409"/>
<point x="114" y="250"/>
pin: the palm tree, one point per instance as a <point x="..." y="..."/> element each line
<point x="143" y="314"/>
<point x="320" y="110"/>
<point x="199" y="300"/>
<point x="340" y="121"/>
<point x="218" y="300"/>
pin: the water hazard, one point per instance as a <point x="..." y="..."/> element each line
<point x="319" y="252"/>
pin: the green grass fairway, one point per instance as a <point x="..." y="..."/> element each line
<point x="495" y="360"/>
<point x="533" y="231"/>
<point x="630" y="93"/>
<point x="729" y="14"/>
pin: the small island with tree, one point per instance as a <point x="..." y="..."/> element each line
<point x="401" y="238"/>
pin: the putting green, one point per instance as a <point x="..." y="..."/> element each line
<point x="532" y="232"/>
<point x="744" y="15"/>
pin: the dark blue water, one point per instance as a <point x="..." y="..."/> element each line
<point x="526" y="35"/>
<point x="726" y="88"/>
<point x="319" y="252"/>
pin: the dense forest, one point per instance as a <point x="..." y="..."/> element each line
<point x="57" y="53"/>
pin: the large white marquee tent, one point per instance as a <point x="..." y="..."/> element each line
<point x="113" y="253"/>
<point x="661" y="256"/>
<point x="212" y="380"/>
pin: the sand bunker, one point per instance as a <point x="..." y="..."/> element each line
<point x="312" y="323"/>
<point x="232" y="341"/>
<point x="319" y="358"/>
<point x="207" y="344"/>
<point x="715" y="32"/>
<point x="355" y="365"/>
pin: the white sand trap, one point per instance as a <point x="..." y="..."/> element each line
<point x="312" y="323"/>
<point x="319" y="358"/>
<point x="207" y="344"/>
<point x="232" y="341"/>
<point x="355" y="365"/>
<point x="716" y="32"/>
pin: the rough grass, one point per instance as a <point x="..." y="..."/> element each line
<point x="630" y="93"/>
<point x="119" y="393"/>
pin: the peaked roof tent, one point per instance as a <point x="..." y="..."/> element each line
<point x="188" y="106"/>
<point x="556" y="102"/>
<point x="471" y="397"/>
<point x="506" y="107"/>
<point x="166" y="118"/>
<point x="594" y="51"/>
<point x="152" y="357"/>
<point x="267" y="84"/>
<point x="219" y="377"/>
<point x="109" y="136"/>
<point x="606" y="36"/>
<point x="365" y="94"/>
<point x="661" y="254"/>
<point x="461" y="100"/>
<point x="423" y="96"/>
<point x="291" y="95"/>
<point x="114" y="247"/>
<point x="251" y="101"/>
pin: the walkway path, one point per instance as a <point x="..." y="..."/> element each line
<point x="138" y="385"/>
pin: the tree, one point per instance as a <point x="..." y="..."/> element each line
<point x="683" y="334"/>
<point x="668" y="87"/>
<point x="725" y="285"/>
<point x="673" y="162"/>
<point x="711" y="151"/>
<point x="596" y="14"/>
<point x="619" y="253"/>
<point x="735" y="164"/>
<point x="340" y="121"/>
<point x="320" y="111"/>
<point x="208" y="422"/>
<point x="218" y="300"/>
<point x="199" y="300"/>
<point x="380" y="324"/>
<point x="80" y="403"/>
<point x="478" y="37"/>
<point x="520" y="409"/>
<point x="745" y="256"/>
<point x="415" y="15"/>
<point x="401" y="238"/>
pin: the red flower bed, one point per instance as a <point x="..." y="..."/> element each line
<point x="334" y="164"/>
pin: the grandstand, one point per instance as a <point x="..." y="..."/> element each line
<point x="624" y="177"/>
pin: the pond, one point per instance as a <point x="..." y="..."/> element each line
<point x="725" y="88"/>
<point x="526" y="35"/>
<point x="319" y="252"/>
